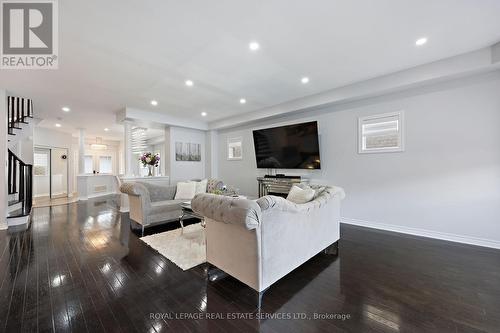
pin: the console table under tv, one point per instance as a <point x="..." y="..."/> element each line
<point x="278" y="185"/>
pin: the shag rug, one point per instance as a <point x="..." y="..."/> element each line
<point x="186" y="249"/>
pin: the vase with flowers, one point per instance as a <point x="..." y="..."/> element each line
<point x="150" y="160"/>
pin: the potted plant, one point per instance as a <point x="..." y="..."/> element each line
<point x="150" y="160"/>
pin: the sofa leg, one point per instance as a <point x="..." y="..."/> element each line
<point x="333" y="249"/>
<point x="259" y="299"/>
<point x="260" y="295"/>
<point x="142" y="230"/>
<point x="182" y="224"/>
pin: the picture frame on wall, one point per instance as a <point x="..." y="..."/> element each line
<point x="235" y="149"/>
<point x="188" y="152"/>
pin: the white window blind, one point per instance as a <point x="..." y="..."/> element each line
<point x="89" y="164"/>
<point x="381" y="133"/>
<point x="105" y="164"/>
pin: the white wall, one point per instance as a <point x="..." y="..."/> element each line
<point x="447" y="182"/>
<point x="26" y="147"/>
<point x="22" y="143"/>
<point x="3" y="165"/>
<point x="212" y="154"/>
<point x="185" y="170"/>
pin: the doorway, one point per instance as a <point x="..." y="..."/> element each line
<point x="50" y="170"/>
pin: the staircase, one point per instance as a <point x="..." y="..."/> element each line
<point x="20" y="174"/>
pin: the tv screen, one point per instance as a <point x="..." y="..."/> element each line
<point x="288" y="147"/>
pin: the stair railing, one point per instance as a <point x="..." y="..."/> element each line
<point x="20" y="181"/>
<point x="17" y="111"/>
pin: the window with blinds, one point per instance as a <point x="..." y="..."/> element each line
<point x="88" y="164"/>
<point x="381" y="133"/>
<point x="105" y="164"/>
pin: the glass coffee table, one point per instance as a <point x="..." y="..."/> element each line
<point x="187" y="213"/>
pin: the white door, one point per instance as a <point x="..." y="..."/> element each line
<point x="41" y="172"/>
<point x="59" y="172"/>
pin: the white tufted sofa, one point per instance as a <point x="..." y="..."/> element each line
<point x="259" y="242"/>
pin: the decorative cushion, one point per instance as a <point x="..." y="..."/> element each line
<point x="213" y="185"/>
<point x="185" y="191"/>
<point x="318" y="189"/>
<point x="299" y="195"/>
<point x="201" y="186"/>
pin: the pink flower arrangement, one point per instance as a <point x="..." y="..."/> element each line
<point x="150" y="159"/>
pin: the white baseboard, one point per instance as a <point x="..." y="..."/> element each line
<point x="424" y="233"/>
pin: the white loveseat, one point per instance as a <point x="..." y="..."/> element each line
<point x="259" y="242"/>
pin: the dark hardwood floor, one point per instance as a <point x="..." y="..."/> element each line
<point x="80" y="268"/>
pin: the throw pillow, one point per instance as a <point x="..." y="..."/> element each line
<point x="185" y="191"/>
<point x="201" y="186"/>
<point x="317" y="190"/>
<point x="300" y="196"/>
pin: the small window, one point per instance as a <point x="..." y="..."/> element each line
<point x="105" y="164"/>
<point x="235" y="149"/>
<point x="381" y="133"/>
<point x="89" y="164"/>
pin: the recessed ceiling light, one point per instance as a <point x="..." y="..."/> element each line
<point x="304" y="80"/>
<point x="154" y="103"/>
<point x="106" y="129"/>
<point x="243" y="101"/>
<point x="203" y="114"/>
<point x="58" y="125"/>
<point x="254" y="46"/>
<point x="65" y="109"/>
<point x="189" y="83"/>
<point x="421" y="41"/>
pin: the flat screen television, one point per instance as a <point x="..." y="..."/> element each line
<point x="288" y="147"/>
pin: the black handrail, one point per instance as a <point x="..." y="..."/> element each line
<point x="18" y="110"/>
<point x="20" y="181"/>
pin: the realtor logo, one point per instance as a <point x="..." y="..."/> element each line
<point x="29" y="34"/>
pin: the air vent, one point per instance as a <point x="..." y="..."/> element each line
<point x="100" y="188"/>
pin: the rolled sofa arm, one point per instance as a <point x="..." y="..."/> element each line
<point x="227" y="209"/>
<point x="138" y="190"/>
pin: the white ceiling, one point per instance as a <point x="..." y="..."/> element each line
<point x="125" y="53"/>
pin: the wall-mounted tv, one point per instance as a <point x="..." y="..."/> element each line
<point x="288" y="147"/>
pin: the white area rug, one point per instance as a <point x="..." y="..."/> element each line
<point x="185" y="249"/>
